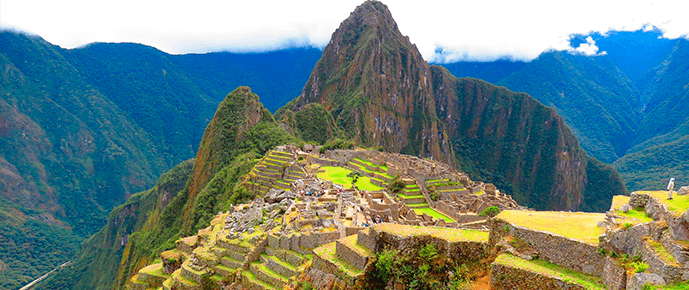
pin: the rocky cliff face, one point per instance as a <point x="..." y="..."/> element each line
<point x="375" y="83"/>
<point x="377" y="86"/>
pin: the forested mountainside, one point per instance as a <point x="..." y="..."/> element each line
<point x="626" y="107"/>
<point x="370" y="86"/>
<point x="241" y="131"/>
<point x="83" y="129"/>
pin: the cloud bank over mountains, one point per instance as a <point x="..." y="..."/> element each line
<point x="444" y="31"/>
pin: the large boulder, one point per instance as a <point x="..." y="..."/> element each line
<point x="684" y="190"/>
<point x="638" y="281"/>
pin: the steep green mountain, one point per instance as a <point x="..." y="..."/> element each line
<point x="68" y="156"/>
<point x="663" y="135"/>
<point x="184" y="200"/>
<point x="83" y="129"/>
<point x="596" y="99"/>
<point x="627" y="107"/>
<point x="382" y="93"/>
<point x="377" y="86"/>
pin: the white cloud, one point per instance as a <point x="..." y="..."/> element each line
<point x="589" y="48"/>
<point x="474" y="30"/>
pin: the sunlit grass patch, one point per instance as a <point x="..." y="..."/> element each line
<point x="338" y="175"/>
<point x="433" y="213"/>
<point x="580" y="226"/>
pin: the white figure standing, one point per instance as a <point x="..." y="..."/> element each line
<point x="670" y="187"/>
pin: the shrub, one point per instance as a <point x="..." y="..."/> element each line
<point x="396" y="185"/>
<point x="490" y="211"/>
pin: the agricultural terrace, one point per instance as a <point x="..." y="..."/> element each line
<point x="678" y="205"/>
<point x="549" y="269"/>
<point x="433" y="213"/>
<point x="580" y="226"/>
<point x="448" y="234"/>
<point x="338" y="175"/>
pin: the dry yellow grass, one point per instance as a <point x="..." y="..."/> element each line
<point x="451" y="235"/>
<point x="580" y="226"/>
<point x="618" y="201"/>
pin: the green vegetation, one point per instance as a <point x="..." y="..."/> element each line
<point x="337" y="144"/>
<point x="420" y="267"/>
<point x="550" y="269"/>
<point x="340" y="175"/>
<point x="396" y="185"/>
<point x="434" y="214"/>
<point x="490" y="211"/>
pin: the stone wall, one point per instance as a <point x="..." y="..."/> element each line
<point x="463" y="250"/>
<point x="255" y="253"/>
<point x="350" y="256"/>
<point x="566" y="252"/>
<point x="614" y="276"/>
<point x="507" y="278"/>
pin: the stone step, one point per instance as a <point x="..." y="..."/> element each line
<point x="250" y="281"/>
<point x="293" y="258"/>
<point x="282" y="153"/>
<point x="325" y="259"/>
<point x="231" y="262"/>
<point x="235" y="255"/>
<point x="278" y="265"/>
<point x="414" y="200"/>
<point x="265" y="274"/>
<point x="153" y="275"/>
<point x="181" y="282"/>
<point x="167" y="285"/>
<point x="224" y="271"/>
<point x="281" y="157"/>
<point x="349" y="250"/>
<point x="232" y="245"/>
<point x="136" y="284"/>
<point x="192" y="274"/>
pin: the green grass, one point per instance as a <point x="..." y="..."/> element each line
<point x="338" y="175"/>
<point x="433" y="213"/>
<point x="550" y="269"/>
<point x="401" y="195"/>
<point x="369" y="163"/>
<point x="576" y="225"/>
<point x="635" y="216"/>
<point x="664" y="255"/>
<point x="673" y="286"/>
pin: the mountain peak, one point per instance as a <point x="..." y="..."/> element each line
<point x="374" y="82"/>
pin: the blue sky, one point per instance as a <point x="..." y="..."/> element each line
<point x="466" y="30"/>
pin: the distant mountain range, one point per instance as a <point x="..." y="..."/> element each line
<point x="83" y="129"/>
<point x="628" y="107"/>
